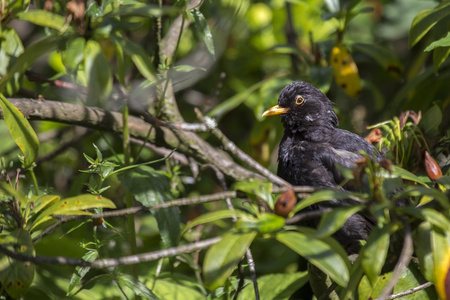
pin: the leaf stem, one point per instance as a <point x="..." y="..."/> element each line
<point x="33" y="177"/>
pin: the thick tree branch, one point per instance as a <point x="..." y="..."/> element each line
<point x="96" y="118"/>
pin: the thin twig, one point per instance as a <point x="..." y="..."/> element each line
<point x="307" y="215"/>
<point x="303" y="192"/>
<point x="33" y="76"/>
<point x="232" y="148"/>
<point x="251" y="267"/>
<point x="403" y="261"/>
<point x="248" y="252"/>
<point x="162" y="150"/>
<point x="411" y="291"/>
<point x="113" y="262"/>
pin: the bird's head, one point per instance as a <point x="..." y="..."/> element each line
<point x="302" y="107"/>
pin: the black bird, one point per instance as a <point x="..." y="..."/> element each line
<point x="312" y="146"/>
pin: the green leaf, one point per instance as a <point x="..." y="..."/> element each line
<point x="29" y="56"/>
<point x="409" y="278"/>
<point x="141" y="10"/>
<point x="43" y="18"/>
<point x="43" y="201"/>
<point x="375" y="252"/>
<point x="151" y="187"/>
<point x="260" y="188"/>
<point x="10" y="48"/>
<point x="440" y="244"/>
<point x="17" y="276"/>
<point x="404" y="174"/>
<point x="138" y="55"/>
<point x="422" y="246"/>
<point x="73" y="206"/>
<point x="222" y="258"/>
<point x="318" y="253"/>
<point x="443" y="42"/>
<point x="431" y="120"/>
<point x="212" y="217"/>
<point x="428" y="214"/>
<point x="166" y="289"/>
<point x="74" y="54"/>
<point x="425" y="20"/>
<point x="21" y="131"/>
<point x="138" y="288"/>
<point x="202" y="29"/>
<point x="439" y="57"/>
<point x="264" y="223"/>
<point x="98" y="72"/>
<point x="325" y="195"/>
<point x="80" y="272"/>
<point x="276" y="286"/>
<point x="334" y="220"/>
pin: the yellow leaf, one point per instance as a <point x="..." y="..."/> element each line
<point x="442" y="272"/>
<point x="345" y="70"/>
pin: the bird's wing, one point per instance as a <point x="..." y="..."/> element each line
<point x="314" y="164"/>
<point x="329" y="157"/>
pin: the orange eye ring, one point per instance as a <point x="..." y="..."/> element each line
<point x="299" y="100"/>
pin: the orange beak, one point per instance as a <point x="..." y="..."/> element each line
<point x="275" y="110"/>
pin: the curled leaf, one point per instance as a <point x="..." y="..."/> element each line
<point x="374" y="136"/>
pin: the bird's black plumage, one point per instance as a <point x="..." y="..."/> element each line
<point x="312" y="146"/>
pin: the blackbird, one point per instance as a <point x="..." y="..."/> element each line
<point x="312" y="146"/>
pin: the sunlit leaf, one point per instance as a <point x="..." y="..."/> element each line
<point x="325" y="195"/>
<point x="139" y="57"/>
<point x="422" y="246"/>
<point x="21" y="131"/>
<point x="43" y="18"/>
<point x="222" y="257"/>
<point x="276" y="286"/>
<point x="74" y="54"/>
<point x="264" y="223"/>
<point x="404" y="174"/>
<point x="212" y="217"/>
<point x="29" y="56"/>
<point x="138" y="288"/>
<point x="98" y="71"/>
<point x="167" y="289"/>
<point x="440" y="55"/>
<point x="10" y="48"/>
<point x="440" y="243"/>
<point x="334" y="220"/>
<point x="318" y="253"/>
<point x="443" y="42"/>
<point x="375" y="252"/>
<point x="425" y="20"/>
<point x="43" y="201"/>
<point x="80" y="272"/>
<point x="257" y="190"/>
<point x="142" y="10"/>
<point x="73" y="206"/>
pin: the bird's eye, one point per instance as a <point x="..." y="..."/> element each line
<point x="299" y="100"/>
